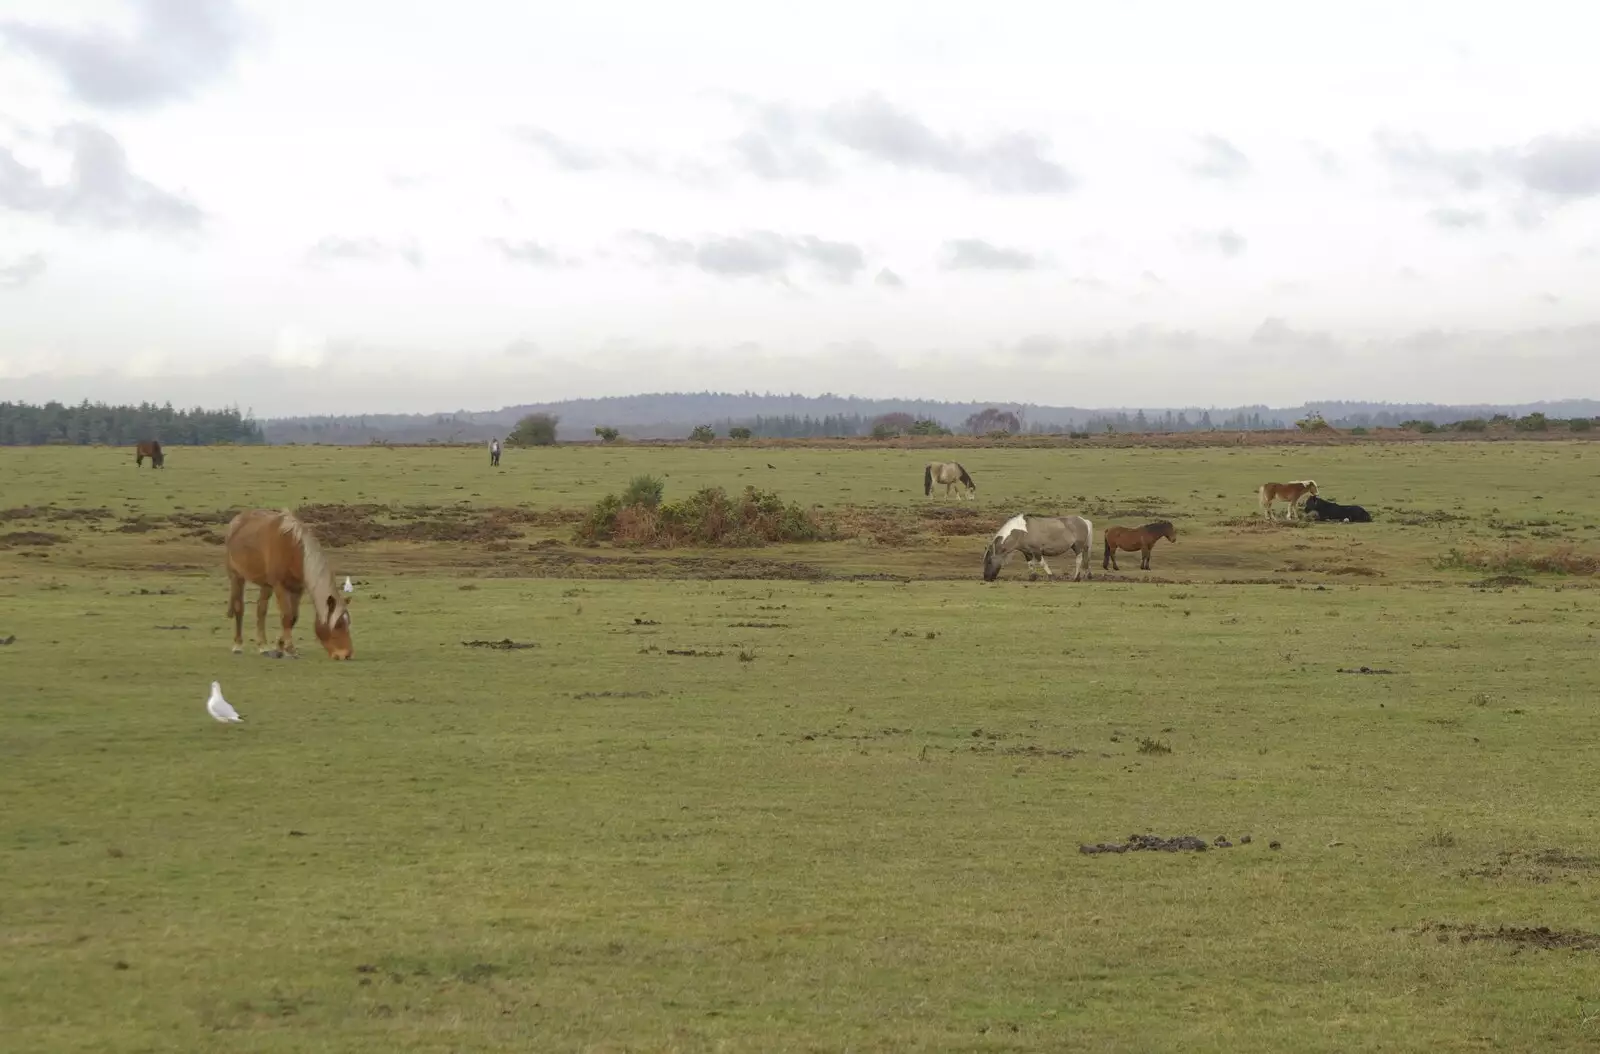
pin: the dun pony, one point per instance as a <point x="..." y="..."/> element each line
<point x="1136" y="540"/>
<point x="1037" y="537"/>
<point x="277" y="552"/>
<point x="148" y="448"/>
<point x="1289" y="493"/>
<point x="949" y="473"/>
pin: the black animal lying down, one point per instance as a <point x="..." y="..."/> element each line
<point x="1324" y="509"/>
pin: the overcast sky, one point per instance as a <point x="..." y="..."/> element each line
<point x="358" y="205"/>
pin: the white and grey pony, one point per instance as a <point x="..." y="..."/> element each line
<point x="1037" y="537"/>
<point x="949" y="473"/>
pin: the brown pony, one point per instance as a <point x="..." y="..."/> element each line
<point x="148" y="448"/>
<point x="1289" y="493"/>
<point x="1136" y="540"/>
<point x="277" y="552"/>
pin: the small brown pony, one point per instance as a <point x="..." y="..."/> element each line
<point x="1136" y="540"/>
<point x="1289" y="493"/>
<point x="277" y="552"/>
<point x="148" y="448"/>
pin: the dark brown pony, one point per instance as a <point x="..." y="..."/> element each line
<point x="148" y="448"/>
<point x="277" y="552"/>
<point x="1136" y="540"/>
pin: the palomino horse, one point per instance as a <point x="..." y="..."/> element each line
<point x="1136" y="540"/>
<point x="1037" y="537"/>
<point x="277" y="552"/>
<point x="949" y="473"/>
<point x="1289" y="493"/>
<point x="148" y="448"/>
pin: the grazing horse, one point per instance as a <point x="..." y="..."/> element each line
<point x="1136" y="540"/>
<point x="148" y="448"/>
<point x="1330" y="510"/>
<point x="277" y="552"/>
<point x="1289" y="493"/>
<point x="1037" y="537"/>
<point x="949" y="473"/>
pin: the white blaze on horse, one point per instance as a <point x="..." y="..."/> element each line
<point x="1289" y="493"/>
<point x="1037" y="537"/>
<point x="949" y="473"/>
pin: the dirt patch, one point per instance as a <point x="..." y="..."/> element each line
<point x="616" y="695"/>
<point x="695" y="653"/>
<point x="1535" y="865"/>
<point x="758" y="625"/>
<point x="53" y="514"/>
<point x="956" y="522"/>
<point x="1501" y="582"/>
<point x="1155" y="844"/>
<point x="1363" y="669"/>
<point x="505" y="644"/>
<point x="1364" y="572"/>
<point x="1518" y="936"/>
<point x="38" y="538"/>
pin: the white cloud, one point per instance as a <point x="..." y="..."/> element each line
<point x="934" y="191"/>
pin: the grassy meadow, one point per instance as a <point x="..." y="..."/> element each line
<point x="815" y="797"/>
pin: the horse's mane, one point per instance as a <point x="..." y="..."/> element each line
<point x="1159" y="525"/>
<point x="318" y="575"/>
<point x="964" y="477"/>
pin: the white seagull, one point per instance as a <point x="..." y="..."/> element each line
<point x="219" y="707"/>
<point x="348" y="588"/>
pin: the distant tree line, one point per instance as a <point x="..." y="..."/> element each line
<point x="23" y="424"/>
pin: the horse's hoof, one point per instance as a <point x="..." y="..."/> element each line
<point x="238" y="650"/>
<point x="271" y="653"/>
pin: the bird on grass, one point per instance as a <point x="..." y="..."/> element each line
<point x="219" y="707"/>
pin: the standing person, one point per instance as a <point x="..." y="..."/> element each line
<point x="494" y="451"/>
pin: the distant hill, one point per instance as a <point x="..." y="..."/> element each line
<point x="671" y="415"/>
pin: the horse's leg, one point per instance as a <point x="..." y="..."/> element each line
<point x="236" y="609"/>
<point x="288" y="615"/>
<point x="1144" y="558"/>
<point x="261" y="620"/>
<point x="1046" y="565"/>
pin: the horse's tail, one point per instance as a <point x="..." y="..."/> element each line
<point x="927" y="479"/>
<point x="964" y="477"/>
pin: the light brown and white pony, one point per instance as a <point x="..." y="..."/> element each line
<point x="1289" y="493"/>
<point x="274" y="550"/>
<point x="1037" y="537"/>
<point x="949" y="473"/>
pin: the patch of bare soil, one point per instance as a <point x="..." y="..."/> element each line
<point x="37" y="538"/>
<point x="1362" y="669"/>
<point x="1156" y="844"/>
<point x="341" y="525"/>
<point x="1501" y="582"/>
<point x="1363" y="572"/>
<point x="547" y="562"/>
<point x="505" y="644"/>
<point x="956" y="522"/>
<point x="1260" y="523"/>
<point x="1517" y="936"/>
<point x="1535" y="865"/>
<point x="53" y="514"/>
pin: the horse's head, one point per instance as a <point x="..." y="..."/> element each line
<point x="1170" y="532"/>
<point x="993" y="560"/>
<point x="333" y="629"/>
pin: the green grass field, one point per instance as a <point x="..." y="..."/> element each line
<point x="812" y="797"/>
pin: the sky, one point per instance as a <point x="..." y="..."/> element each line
<point x="348" y="206"/>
